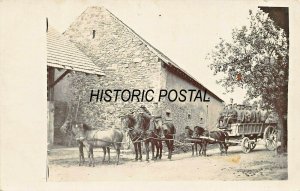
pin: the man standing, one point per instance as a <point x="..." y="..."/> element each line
<point x="222" y="116"/>
<point x="240" y="114"/>
<point x="264" y="115"/>
<point x="247" y="114"/>
<point x="253" y="114"/>
<point x="257" y="114"/>
<point x="231" y="116"/>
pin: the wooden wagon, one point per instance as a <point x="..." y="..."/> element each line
<point x="247" y="135"/>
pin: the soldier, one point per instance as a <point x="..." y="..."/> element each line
<point x="222" y="116"/>
<point x="271" y="118"/>
<point x="240" y="114"/>
<point x="247" y="113"/>
<point x="168" y="118"/>
<point x="253" y="114"/>
<point x="231" y="116"/>
<point x="263" y="115"/>
<point x="257" y="114"/>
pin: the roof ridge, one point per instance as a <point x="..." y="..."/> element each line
<point x="158" y="53"/>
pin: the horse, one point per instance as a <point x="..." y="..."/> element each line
<point x="90" y="138"/>
<point x="220" y="137"/>
<point x="167" y="133"/>
<point x="189" y="134"/>
<point x="142" y="128"/>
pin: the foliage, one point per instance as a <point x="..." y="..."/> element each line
<point x="256" y="60"/>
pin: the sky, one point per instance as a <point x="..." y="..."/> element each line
<point x="185" y="31"/>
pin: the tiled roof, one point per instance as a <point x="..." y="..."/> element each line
<point x="61" y="53"/>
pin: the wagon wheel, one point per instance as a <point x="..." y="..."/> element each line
<point x="270" y="137"/>
<point x="246" y="145"/>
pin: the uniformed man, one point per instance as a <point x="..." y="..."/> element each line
<point x="257" y="114"/>
<point x="247" y="113"/>
<point x="253" y="113"/>
<point x="168" y="117"/>
<point x="231" y="116"/>
<point x="222" y="116"/>
<point x="271" y="118"/>
<point x="264" y="115"/>
<point x="240" y="114"/>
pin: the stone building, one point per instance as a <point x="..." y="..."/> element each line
<point x="130" y="62"/>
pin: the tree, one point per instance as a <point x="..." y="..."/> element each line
<point x="256" y="60"/>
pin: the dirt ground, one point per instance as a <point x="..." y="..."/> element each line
<point x="259" y="164"/>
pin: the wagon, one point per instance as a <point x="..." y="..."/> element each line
<point x="247" y="135"/>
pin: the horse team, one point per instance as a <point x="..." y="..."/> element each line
<point x="141" y="127"/>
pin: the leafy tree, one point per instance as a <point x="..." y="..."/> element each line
<point x="256" y="60"/>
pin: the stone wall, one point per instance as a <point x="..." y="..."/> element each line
<point x="189" y="113"/>
<point x="124" y="58"/>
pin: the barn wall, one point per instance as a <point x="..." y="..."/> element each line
<point x="196" y="110"/>
<point x="122" y="56"/>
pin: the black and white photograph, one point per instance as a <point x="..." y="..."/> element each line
<point x="141" y="92"/>
<point x="117" y="103"/>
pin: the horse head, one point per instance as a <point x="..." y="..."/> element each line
<point x="188" y="132"/>
<point x="66" y="127"/>
<point x="198" y="131"/>
<point x="144" y="121"/>
<point x="129" y="121"/>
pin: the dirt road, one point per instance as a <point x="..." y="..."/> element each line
<point x="259" y="164"/>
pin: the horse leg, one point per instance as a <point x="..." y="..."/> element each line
<point x="157" y="149"/>
<point x="221" y="148"/>
<point x="92" y="155"/>
<point x="89" y="148"/>
<point x="200" y="149"/>
<point x="204" y="148"/>
<point x="108" y="152"/>
<point x="160" y="149"/>
<point x="193" y="149"/>
<point x="153" y="144"/>
<point x="104" y="153"/>
<point x="196" y="149"/>
<point x="147" y="149"/>
<point x="140" y="150"/>
<point x="136" y="150"/>
<point x="118" y="154"/>
<point x="225" y="148"/>
<point x="81" y="154"/>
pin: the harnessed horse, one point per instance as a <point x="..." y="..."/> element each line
<point x="189" y="134"/>
<point x="144" y="127"/>
<point x="219" y="137"/>
<point x="91" y="138"/>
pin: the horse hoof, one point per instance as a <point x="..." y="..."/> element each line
<point x="136" y="159"/>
